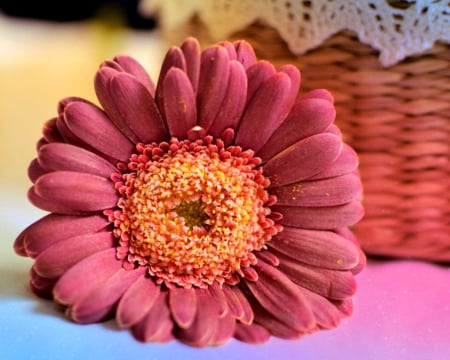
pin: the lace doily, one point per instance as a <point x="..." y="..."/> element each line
<point x="397" y="28"/>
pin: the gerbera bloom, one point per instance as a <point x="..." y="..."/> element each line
<point x="213" y="205"/>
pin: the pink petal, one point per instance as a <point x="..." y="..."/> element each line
<point x="238" y="305"/>
<point x="274" y="288"/>
<point x="225" y="330"/>
<point x="59" y="257"/>
<point x="333" y="129"/>
<point x="196" y="133"/>
<point x="99" y="303"/>
<point x="328" y="192"/>
<point x="137" y="108"/>
<point x="137" y="301"/>
<point x="251" y="334"/>
<point x="174" y="59"/>
<point x="131" y="66"/>
<point x="245" y="53"/>
<point x="212" y="85"/>
<point x="295" y="77"/>
<point x="345" y="306"/>
<point x="227" y="136"/>
<point x="180" y="108"/>
<point x="274" y="325"/>
<point x="265" y="112"/>
<point x="319" y="94"/>
<point x="50" y="131"/>
<point x="326" y="314"/>
<point x="307" y="117"/>
<point x="320" y="218"/>
<point x="230" y="111"/>
<point x="234" y="306"/>
<point x="324" y="249"/>
<point x="246" y="306"/>
<point x="218" y="295"/>
<point x="112" y="64"/>
<point x="191" y="51"/>
<point x="102" y="83"/>
<point x="183" y="306"/>
<point x="205" y="324"/>
<point x="303" y="160"/>
<point x="77" y="191"/>
<point x="86" y="276"/>
<point x="53" y="228"/>
<point x="67" y="134"/>
<point x="60" y="156"/>
<point x="19" y="246"/>
<point x="91" y="125"/>
<point x="68" y="100"/>
<point x="333" y="284"/>
<point x="46" y="204"/>
<point x="35" y="170"/>
<point x="229" y="47"/>
<point x="41" y="286"/>
<point x="268" y="257"/>
<point x="157" y="325"/>
<point x="41" y="142"/>
<point x="257" y="74"/>
<point x="348" y="234"/>
<point x="346" y="162"/>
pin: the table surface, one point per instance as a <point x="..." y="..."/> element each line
<point x="402" y="308"/>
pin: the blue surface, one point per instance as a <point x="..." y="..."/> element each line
<point x="402" y="311"/>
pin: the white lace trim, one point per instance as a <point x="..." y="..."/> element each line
<point x="397" y="28"/>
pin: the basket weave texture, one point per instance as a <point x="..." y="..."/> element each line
<point x="398" y="120"/>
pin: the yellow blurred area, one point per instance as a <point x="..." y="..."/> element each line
<point x="43" y="62"/>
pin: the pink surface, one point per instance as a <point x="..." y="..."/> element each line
<point x="402" y="311"/>
<point x="403" y="307"/>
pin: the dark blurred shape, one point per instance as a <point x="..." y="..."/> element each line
<point x="76" y="10"/>
<point x="51" y="10"/>
<point x="133" y="18"/>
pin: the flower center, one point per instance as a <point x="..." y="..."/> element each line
<point x="192" y="212"/>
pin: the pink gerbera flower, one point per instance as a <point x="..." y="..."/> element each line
<point x="213" y="205"/>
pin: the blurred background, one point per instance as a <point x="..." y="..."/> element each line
<point x="126" y="10"/>
<point x="45" y="56"/>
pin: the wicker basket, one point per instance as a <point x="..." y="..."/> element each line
<point x="398" y="120"/>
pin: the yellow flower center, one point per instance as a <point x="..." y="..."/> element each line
<point x="192" y="212"/>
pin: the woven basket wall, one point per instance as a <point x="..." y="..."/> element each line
<point x="398" y="120"/>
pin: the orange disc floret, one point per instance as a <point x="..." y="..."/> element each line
<point x="193" y="212"/>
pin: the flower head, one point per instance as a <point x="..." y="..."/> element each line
<point x="215" y="204"/>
